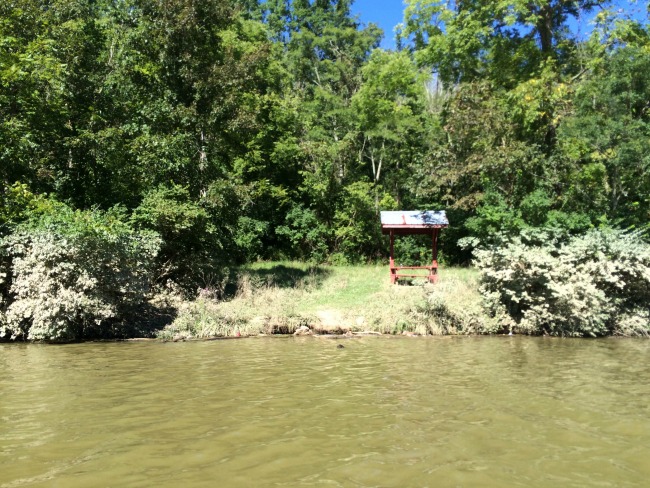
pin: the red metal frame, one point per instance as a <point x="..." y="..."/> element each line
<point x="432" y="277"/>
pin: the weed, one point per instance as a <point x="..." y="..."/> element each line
<point x="278" y="298"/>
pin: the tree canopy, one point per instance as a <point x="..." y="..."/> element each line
<point x="246" y="129"/>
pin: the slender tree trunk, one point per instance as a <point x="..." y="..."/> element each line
<point x="545" y="29"/>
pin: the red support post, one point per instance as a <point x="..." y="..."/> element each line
<point x="393" y="271"/>
<point x="433" y="275"/>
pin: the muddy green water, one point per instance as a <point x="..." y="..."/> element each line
<point x="394" y="412"/>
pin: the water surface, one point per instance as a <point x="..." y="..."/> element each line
<point x="393" y="412"/>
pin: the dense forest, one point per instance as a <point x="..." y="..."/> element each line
<point x="227" y="131"/>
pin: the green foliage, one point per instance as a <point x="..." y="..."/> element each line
<point x="389" y="106"/>
<point x="190" y="240"/>
<point x="495" y="217"/>
<point x="605" y="137"/>
<point x="74" y="274"/>
<point x="18" y="204"/>
<point x="479" y="148"/>
<point x="249" y="236"/>
<point x="591" y="285"/>
<point x="504" y="41"/>
<point x="414" y="251"/>
<point x="357" y="233"/>
<point x="308" y="235"/>
<point x="241" y="130"/>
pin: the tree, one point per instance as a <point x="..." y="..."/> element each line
<point x="390" y="115"/>
<point x="605" y="137"/>
<point x="49" y="93"/>
<point x="504" y="41"/>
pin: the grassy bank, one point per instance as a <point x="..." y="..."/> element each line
<point x="282" y="298"/>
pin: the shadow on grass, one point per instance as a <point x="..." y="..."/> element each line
<point x="412" y="281"/>
<point x="280" y="276"/>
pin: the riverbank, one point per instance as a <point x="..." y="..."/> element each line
<point x="296" y="298"/>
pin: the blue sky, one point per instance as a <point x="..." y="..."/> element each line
<point x="385" y="13"/>
<point x="388" y="13"/>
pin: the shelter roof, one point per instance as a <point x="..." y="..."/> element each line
<point x="413" y="221"/>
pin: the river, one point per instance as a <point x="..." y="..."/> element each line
<point x="383" y="412"/>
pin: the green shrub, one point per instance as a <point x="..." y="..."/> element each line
<point x="592" y="285"/>
<point x="249" y="236"/>
<point x="414" y="251"/>
<point x="309" y="237"/>
<point x="496" y="217"/>
<point x="73" y="273"/>
<point x="189" y="238"/>
<point x="357" y="233"/>
<point x="18" y="203"/>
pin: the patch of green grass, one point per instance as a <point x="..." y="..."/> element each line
<point x="279" y="297"/>
<point x="347" y="288"/>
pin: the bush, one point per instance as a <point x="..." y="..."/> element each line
<point x="356" y="221"/>
<point x="3" y="294"/>
<point x="249" y="236"/>
<point x="189" y="239"/>
<point x="414" y="251"/>
<point x="309" y="237"/>
<point x="18" y="203"/>
<point x="591" y="285"/>
<point x="73" y="273"/>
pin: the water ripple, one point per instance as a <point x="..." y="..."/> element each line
<point x="301" y="412"/>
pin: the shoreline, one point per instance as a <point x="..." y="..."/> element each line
<point x="288" y="298"/>
<point x="285" y="299"/>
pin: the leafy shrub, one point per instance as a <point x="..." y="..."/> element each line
<point x="74" y="272"/>
<point x="307" y="234"/>
<point x="249" y="236"/>
<point x="18" y="203"/>
<point x="591" y="285"/>
<point x="414" y="251"/>
<point x="495" y="217"/>
<point x="189" y="238"/>
<point x="356" y="221"/>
